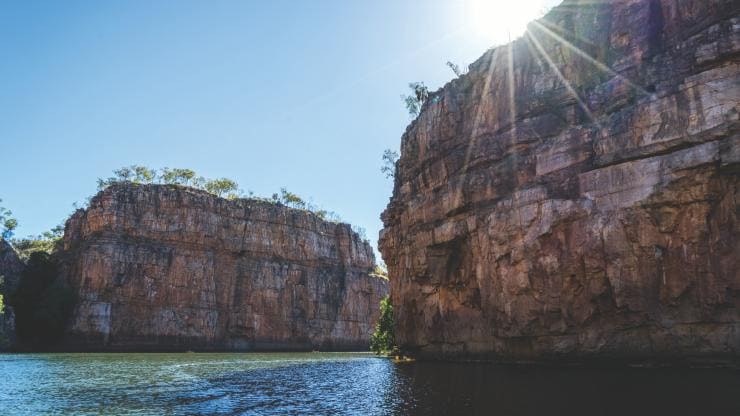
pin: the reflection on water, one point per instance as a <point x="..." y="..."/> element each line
<point x="328" y="383"/>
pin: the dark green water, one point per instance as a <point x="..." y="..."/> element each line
<point x="353" y="384"/>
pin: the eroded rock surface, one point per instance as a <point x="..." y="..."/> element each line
<point x="536" y="218"/>
<point x="166" y="267"/>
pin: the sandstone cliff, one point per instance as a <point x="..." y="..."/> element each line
<point x="167" y="267"/>
<point x="577" y="193"/>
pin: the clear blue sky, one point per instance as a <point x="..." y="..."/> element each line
<point x="296" y="94"/>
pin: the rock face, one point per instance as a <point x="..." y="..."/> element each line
<point x="577" y="193"/>
<point x="10" y="269"/>
<point x="167" y="267"/>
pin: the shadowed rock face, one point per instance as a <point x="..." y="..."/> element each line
<point x="534" y="219"/>
<point x="10" y="269"/>
<point x="166" y="267"/>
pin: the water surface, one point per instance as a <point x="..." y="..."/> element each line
<point x="341" y="383"/>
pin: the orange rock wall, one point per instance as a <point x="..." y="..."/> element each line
<point x="166" y="267"/>
<point x="535" y="218"/>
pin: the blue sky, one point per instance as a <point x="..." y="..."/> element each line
<point x="296" y="94"/>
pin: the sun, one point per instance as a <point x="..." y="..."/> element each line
<point x="498" y="21"/>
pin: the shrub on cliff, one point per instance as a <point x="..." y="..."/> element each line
<point x="41" y="302"/>
<point x="419" y="95"/>
<point x="2" y="300"/>
<point x="221" y="187"/>
<point x="390" y="158"/>
<point x="45" y="242"/>
<point x="383" y="339"/>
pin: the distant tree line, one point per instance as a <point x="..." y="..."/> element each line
<point x="221" y="187"/>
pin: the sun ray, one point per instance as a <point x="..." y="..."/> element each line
<point x="512" y="113"/>
<point x="477" y="122"/>
<point x="587" y="57"/>
<point x="534" y="41"/>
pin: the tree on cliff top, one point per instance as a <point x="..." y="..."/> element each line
<point x="221" y="187"/>
<point x="383" y="340"/>
<point x="177" y="176"/>
<point x="46" y="242"/>
<point x="419" y="95"/>
<point x="292" y="200"/>
<point x="7" y="223"/>
<point x="390" y="157"/>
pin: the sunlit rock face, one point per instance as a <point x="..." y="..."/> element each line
<point x="166" y="267"/>
<point x="546" y="207"/>
<point x="10" y="270"/>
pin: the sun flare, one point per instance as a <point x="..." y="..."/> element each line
<point x="498" y="21"/>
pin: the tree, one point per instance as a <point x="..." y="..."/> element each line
<point x="383" y="339"/>
<point x="177" y="176"/>
<point x="360" y="231"/>
<point x="133" y="174"/>
<point x="390" y="157"/>
<point x="292" y="200"/>
<point x="221" y="187"/>
<point x="456" y="69"/>
<point x="142" y="174"/>
<point x="42" y="303"/>
<point x="124" y="174"/>
<point x="415" y="101"/>
<point x="7" y="223"/>
<point x="45" y="242"/>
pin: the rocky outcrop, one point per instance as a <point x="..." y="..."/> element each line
<point x="10" y="267"/>
<point x="167" y="267"/>
<point x="577" y="193"/>
<point x="10" y="271"/>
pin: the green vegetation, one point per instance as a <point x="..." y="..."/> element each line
<point x="7" y="223"/>
<point x="222" y="187"/>
<point x="290" y="199"/>
<point x="45" y="242"/>
<point x="178" y="176"/>
<point x="383" y="340"/>
<point x="42" y="303"/>
<point x="361" y="232"/>
<point x="456" y="69"/>
<point x="2" y="302"/>
<point x="415" y="101"/>
<point x="390" y="158"/>
<point x="381" y="270"/>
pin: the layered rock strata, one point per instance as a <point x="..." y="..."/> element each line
<point x="166" y="267"/>
<point x="577" y="193"/>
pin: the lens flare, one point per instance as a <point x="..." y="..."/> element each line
<point x="498" y="21"/>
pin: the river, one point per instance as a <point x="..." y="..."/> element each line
<point x="346" y="383"/>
